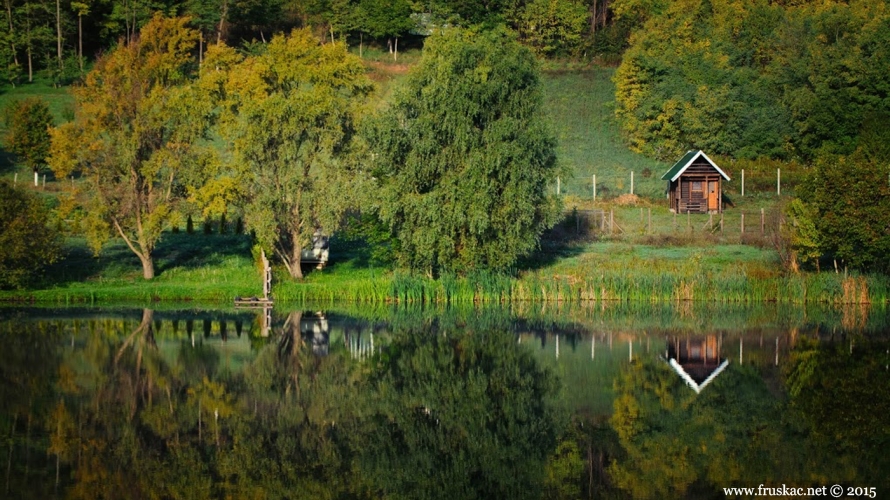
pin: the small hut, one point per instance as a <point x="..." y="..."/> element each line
<point x="695" y="184"/>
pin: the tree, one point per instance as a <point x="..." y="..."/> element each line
<point x="137" y="124"/>
<point x="849" y="200"/>
<point x="552" y="26"/>
<point x="456" y="411"/>
<point x="27" y="244"/>
<point x="290" y="115"/>
<point x="464" y="155"/>
<point x="385" y="19"/>
<point x="27" y="123"/>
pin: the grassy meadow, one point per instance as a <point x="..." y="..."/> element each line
<point x="618" y="247"/>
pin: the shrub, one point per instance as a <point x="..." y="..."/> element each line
<point x="27" y="243"/>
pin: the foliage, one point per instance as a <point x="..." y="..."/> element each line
<point x="751" y="78"/>
<point x="552" y="27"/>
<point x="137" y="125"/>
<point x="456" y="410"/>
<point x="678" y="442"/>
<point x="835" y="395"/>
<point x="466" y="132"/>
<point x="290" y="115"/>
<point x="849" y="198"/>
<point x="27" y="124"/>
<point x="800" y="237"/>
<point x="27" y="242"/>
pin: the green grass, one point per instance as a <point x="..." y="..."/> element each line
<point x="580" y="108"/>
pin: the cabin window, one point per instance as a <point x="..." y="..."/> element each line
<point x="696" y="186"/>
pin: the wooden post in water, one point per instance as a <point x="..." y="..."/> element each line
<point x="267" y="276"/>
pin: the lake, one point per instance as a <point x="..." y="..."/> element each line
<point x="609" y="400"/>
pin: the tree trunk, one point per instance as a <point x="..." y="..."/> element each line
<point x="59" y="32"/>
<point x="30" y="61"/>
<point x="222" y="21"/>
<point x="80" y="41"/>
<point x="296" y="257"/>
<point x="148" y="266"/>
<point x="15" y="57"/>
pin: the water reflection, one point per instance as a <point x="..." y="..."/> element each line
<point x="392" y="402"/>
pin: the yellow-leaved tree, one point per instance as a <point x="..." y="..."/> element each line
<point x="139" y="123"/>
<point x="290" y="116"/>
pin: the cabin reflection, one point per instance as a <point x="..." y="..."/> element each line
<point x="315" y="330"/>
<point x="697" y="359"/>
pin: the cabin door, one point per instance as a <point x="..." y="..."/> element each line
<point x="712" y="195"/>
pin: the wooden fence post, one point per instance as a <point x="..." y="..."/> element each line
<point x="743" y="182"/>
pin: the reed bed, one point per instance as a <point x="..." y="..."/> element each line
<point x="644" y="284"/>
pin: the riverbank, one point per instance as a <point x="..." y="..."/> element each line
<point x="217" y="268"/>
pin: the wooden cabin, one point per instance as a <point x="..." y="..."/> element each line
<point x="695" y="184"/>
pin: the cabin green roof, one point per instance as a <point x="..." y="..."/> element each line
<point x="684" y="163"/>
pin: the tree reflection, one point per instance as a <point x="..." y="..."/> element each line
<point x="456" y="413"/>
<point x="832" y="426"/>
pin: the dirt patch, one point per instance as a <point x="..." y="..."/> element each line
<point x="388" y="68"/>
<point x="627" y="200"/>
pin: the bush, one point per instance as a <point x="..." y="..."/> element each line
<point x="27" y="243"/>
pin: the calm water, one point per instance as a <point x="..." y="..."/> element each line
<point x="622" y="401"/>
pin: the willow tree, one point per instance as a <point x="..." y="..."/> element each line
<point x="465" y="156"/>
<point x="289" y="115"/>
<point x="138" y="123"/>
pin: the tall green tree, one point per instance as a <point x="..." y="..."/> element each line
<point x="456" y="411"/>
<point x="290" y="115"/>
<point x="27" y="132"/>
<point x="138" y="124"/>
<point x="849" y="200"/>
<point x="464" y="155"/>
